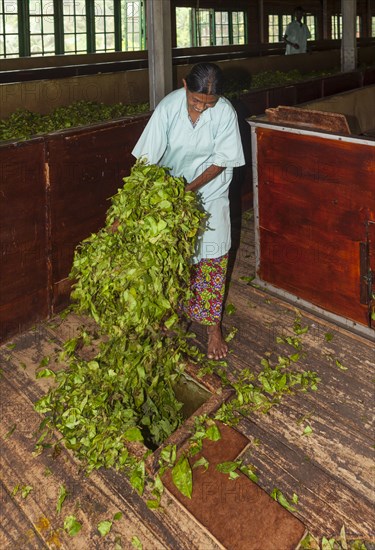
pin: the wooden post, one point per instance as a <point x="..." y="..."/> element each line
<point x="348" y="41"/>
<point x="261" y="21"/>
<point x="159" y="45"/>
<point x="325" y="34"/>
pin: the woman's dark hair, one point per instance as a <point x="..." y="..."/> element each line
<point x="205" y="78"/>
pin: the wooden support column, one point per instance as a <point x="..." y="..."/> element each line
<point x="325" y="34"/>
<point x="159" y="45"/>
<point x="349" y="41"/>
<point x="261" y="20"/>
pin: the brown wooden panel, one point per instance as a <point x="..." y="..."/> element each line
<point x="284" y="95"/>
<point x="255" y="102"/>
<point x="307" y="91"/>
<point x="86" y="168"/>
<point x="372" y="269"/>
<point x="341" y="82"/>
<point x="369" y="76"/>
<point x="315" y="195"/>
<point x="23" y="267"/>
<point x="314" y="274"/>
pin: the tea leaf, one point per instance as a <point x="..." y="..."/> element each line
<point x="182" y="476"/>
<point x="136" y="543"/>
<point x="72" y="526"/>
<point x="230" y="309"/>
<point x="26" y="490"/>
<point x="62" y="496"/>
<point x="104" y="527"/>
<point x="202" y="462"/>
<point x="280" y="498"/>
<point x="308" y="430"/>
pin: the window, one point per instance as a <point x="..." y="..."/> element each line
<point x="42" y="31"/>
<point x="203" y="27"/>
<point x="51" y="27"/>
<point x="336" y="26"/>
<point x="276" y="27"/>
<point x="358" y="26"/>
<point x="373" y="26"/>
<point x="74" y="26"/>
<point x="9" y="42"/>
<point x="184" y="27"/>
<point x="310" y="21"/>
<point x="238" y="27"/>
<point x="209" y="27"/>
<point x="134" y="31"/>
<point x="222" y="27"/>
<point x="104" y="26"/>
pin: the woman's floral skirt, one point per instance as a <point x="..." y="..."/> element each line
<point x="207" y="283"/>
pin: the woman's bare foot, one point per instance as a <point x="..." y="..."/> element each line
<point x="217" y="347"/>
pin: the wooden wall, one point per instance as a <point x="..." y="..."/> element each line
<point x="54" y="193"/>
<point x="23" y="268"/>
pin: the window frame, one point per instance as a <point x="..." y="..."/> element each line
<point x="117" y="41"/>
<point x="195" y="25"/>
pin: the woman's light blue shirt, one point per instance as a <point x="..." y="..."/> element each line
<point x="170" y="139"/>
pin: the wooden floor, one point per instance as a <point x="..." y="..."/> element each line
<point x="331" y="470"/>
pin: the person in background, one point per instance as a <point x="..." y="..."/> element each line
<point x="194" y="131"/>
<point x="296" y="34"/>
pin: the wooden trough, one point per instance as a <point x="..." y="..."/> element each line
<point x="54" y="192"/>
<point x="314" y="199"/>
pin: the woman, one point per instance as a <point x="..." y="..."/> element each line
<point x="194" y="131"/>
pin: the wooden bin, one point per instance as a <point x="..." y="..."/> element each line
<point x="54" y="193"/>
<point x="314" y="199"/>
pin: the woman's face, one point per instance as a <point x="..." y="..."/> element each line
<point x="199" y="102"/>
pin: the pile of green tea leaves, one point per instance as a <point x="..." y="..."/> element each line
<point x="131" y="278"/>
<point x="235" y="86"/>
<point x="23" y="124"/>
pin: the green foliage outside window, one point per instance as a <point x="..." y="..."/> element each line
<point x="41" y="28"/>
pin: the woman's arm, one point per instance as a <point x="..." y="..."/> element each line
<point x="209" y="174"/>
<point x="293" y="44"/>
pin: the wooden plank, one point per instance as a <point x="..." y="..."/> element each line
<point x="261" y="318"/>
<point x="16" y="531"/>
<point x="23" y="266"/>
<point x="308" y="91"/>
<point x="341" y="82"/>
<point x="306" y="118"/>
<point x="334" y="448"/>
<point x="101" y="494"/>
<point x="324" y="503"/>
<point x="283" y="95"/>
<point x="255" y="102"/>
